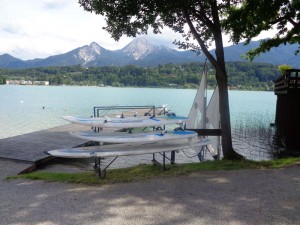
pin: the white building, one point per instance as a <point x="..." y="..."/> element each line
<point x="27" y="82"/>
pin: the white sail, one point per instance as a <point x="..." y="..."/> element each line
<point x="212" y="111"/>
<point x="197" y="114"/>
<point x="202" y="117"/>
<point x="213" y="119"/>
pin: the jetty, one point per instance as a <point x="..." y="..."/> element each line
<point x="287" y="121"/>
<point x="29" y="148"/>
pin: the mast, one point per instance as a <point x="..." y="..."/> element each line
<point x="205" y="96"/>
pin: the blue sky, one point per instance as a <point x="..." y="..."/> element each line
<point x="40" y="28"/>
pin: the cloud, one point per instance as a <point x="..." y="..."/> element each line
<point x="36" y="29"/>
<point x="54" y="4"/>
<point x="12" y="29"/>
<point x="31" y="29"/>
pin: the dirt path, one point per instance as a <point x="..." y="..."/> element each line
<point x="212" y="197"/>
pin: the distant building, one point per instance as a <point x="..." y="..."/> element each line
<point x="41" y="83"/>
<point x="12" y="82"/>
<point x="27" y="82"/>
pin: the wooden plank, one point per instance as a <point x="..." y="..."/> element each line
<point x="207" y="132"/>
<point x="30" y="147"/>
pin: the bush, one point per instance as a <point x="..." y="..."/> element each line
<point x="283" y="68"/>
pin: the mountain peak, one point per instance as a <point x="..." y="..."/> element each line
<point x="138" y="48"/>
<point x="95" y="47"/>
<point x="140" y="40"/>
<point x="89" y="52"/>
<point x="8" y="57"/>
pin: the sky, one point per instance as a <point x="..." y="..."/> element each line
<point x="32" y="29"/>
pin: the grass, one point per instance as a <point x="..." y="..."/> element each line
<point x="143" y="172"/>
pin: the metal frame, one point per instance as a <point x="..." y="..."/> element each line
<point x="151" y="110"/>
<point x="101" y="172"/>
<point x="163" y="154"/>
<point x="106" y="109"/>
<point x="97" y="109"/>
<point x="97" y="167"/>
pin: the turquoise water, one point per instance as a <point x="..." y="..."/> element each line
<point x="26" y="109"/>
<point x="22" y="106"/>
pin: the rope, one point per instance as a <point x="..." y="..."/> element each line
<point x="188" y="155"/>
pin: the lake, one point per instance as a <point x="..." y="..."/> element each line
<point x="25" y="109"/>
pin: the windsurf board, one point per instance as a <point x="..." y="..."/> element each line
<point x="123" y="137"/>
<point x="128" y="149"/>
<point x="128" y="122"/>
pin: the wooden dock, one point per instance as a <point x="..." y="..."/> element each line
<point x="287" y="89"/>
<point x="29" y="148"/>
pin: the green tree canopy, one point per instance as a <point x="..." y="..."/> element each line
<point x="249" y="18"/>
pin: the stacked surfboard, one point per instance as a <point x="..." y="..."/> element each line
<point x="127" y="122"/>
<point x="131" y="143"/>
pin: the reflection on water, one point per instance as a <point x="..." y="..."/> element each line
<point x="255" y="138"/>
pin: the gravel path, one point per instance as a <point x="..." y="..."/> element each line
<point x="213" y="197"/>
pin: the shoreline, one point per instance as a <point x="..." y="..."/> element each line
<point x="230" y="88"/>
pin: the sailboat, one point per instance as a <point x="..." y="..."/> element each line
<point x="203" y="116"/>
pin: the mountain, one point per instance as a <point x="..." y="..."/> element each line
<point x="142" y="53"/>
<point x="283" y="54"/>
<point x="6" y="61"/>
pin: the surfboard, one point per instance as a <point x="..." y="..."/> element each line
<point x="123" y="137"/>
<point x="128" y="149"/>
<point x="128" y="122"/>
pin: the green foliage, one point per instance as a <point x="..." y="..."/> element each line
<point x="241" y="75"/>
<point x="284" y="68"/>
<point x="251" y="17"/>
<point x="142" y="172"/>
<point x="2" y="80"/>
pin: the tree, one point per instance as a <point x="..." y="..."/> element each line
<point x="251" y="17"/>
<point x="2" y="80"/>
<point x="202" y="17"/>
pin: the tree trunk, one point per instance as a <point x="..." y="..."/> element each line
<point x="224" y="114"/>
<point x="227" y="147"/>
<point x="222" y="81"/>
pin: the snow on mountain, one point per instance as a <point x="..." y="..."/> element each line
<point x="89" y="52"/>
<point x="138" y="48"/>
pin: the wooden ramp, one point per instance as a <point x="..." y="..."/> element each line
<point x="30" y="147"/>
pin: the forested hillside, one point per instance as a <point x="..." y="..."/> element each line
<point x="242" y="75"/>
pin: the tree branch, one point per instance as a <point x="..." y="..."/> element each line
<point x="286" y="17"/>
<point x="293" y="22"/>
<point x="209" y="56"/>
<point x="204" y="17"/>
